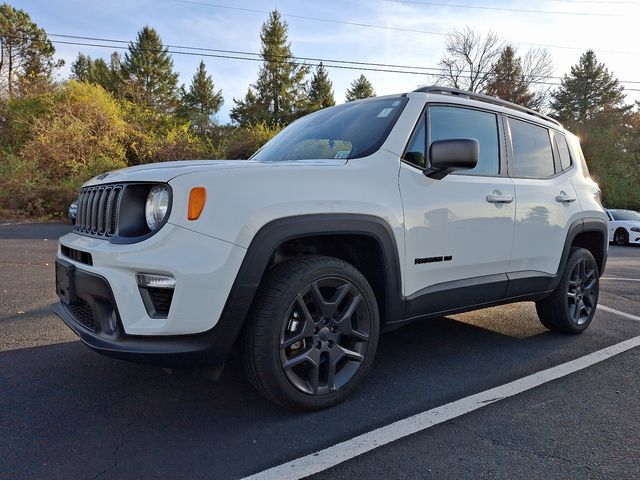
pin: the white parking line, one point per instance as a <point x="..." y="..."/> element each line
<point x="618" y="312"/>
<point x="343" y="451"/>
<point x="621" y="279"/>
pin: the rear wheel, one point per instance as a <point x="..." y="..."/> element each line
<point x="621" y="237"/>
<point x="312" y="334"/>
<point x="572" y="305"/>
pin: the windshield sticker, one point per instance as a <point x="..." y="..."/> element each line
<point x="385" y="112"/>
<point x="342" y="154"/>
<point x="396" y="103"/>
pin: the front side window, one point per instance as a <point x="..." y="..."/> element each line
<point x="533" y="156"/>
<point x="350" y="130"/>
<point x="447" y="123"/>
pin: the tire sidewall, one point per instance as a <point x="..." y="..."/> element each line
<point x="625" y="237"/>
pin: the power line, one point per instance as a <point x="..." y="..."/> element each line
<point x="503" y="9"/>
<point x="291" y="62"/>
<point x="382" y="27"/>
<point x="313" y="59"/>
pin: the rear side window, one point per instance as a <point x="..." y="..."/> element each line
<point x="533" y="156"/>
<point x="563" y="150"/>
<point x="447" y="123"/>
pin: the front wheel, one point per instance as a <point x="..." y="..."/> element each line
<point x="621" y="237"/>
<point x="312" y="333"/>
<point x="572" y="305"/>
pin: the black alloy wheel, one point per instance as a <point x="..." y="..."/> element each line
<point x="621" y="237"/>
<point x="582" y="291"/>
<point x="324" y="336"/>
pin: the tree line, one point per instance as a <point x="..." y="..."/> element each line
<point x="130" y="109"/>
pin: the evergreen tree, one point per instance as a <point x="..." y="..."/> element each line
<point x="588" y="90"/>
<point x="26" y="54"/>
<point x="360" y="88"/>
<point x="148" y="70"/>
<point x="507" y="80"/>
<point x="108" y="76"/>
<point x="320" y="90"/>
<point x="201" y="102"/>
<point x="278" y="96"/>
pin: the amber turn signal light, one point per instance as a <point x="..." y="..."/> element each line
<point x="197" y="198"/>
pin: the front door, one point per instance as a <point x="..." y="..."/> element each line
<point x="459" y="230"/>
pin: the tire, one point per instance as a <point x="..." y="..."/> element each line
<point x="572" y="305"/>
<point x="621" y="237"/>
<point x="295" y="338"/>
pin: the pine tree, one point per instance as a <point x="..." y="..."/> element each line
<point x="588" y="90"/>
<point x="278" y="96"/>
<point x="108" y="76"/>
<point x="320" y="90"/>
<point x="360" y="88"/>
<point x="201" y="102"/>
<point x="26" y="54"/>
<point x="507" y="80"/>
<point x="148" y="71"/>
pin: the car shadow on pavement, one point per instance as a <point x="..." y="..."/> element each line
<point x="67" y="409"/>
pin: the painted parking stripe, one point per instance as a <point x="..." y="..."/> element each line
<point x="618" y="312"/>
<point x="344" y="451"/>
<point x="621" y="279"/>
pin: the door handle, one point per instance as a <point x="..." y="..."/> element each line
<point x="564" y="198"/>
<point x="499" y="198"/>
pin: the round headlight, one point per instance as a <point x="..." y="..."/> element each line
<point x="157" y="206"/>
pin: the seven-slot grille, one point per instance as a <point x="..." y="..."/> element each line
<point x="98" y="210"/>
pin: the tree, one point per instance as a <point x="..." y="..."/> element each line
<point x="469" y="60"/>
<point x="201" y="102"/>
<point x="148" y="72"/>
<point x="109" y="77"/>
<point x="360" y="88"/>
<point x="320" y="90"/>
<point x="507" y="80"/>
<point x="278" y="96"/>
<point x="588" y="90"/>
<point x="26" y="54"/>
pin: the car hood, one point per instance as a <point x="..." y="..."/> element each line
<point x="165" y="171"/>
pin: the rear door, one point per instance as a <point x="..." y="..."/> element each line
<point x="540" y="165"/>
<point x="459" y="230"/>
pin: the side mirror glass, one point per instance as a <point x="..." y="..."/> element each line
<point x="450" y="155"/>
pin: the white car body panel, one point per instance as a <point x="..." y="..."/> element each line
<point x="478" y="235"/>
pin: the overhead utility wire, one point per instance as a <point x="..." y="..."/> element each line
<point x="503" y="9"/>
<point x="313" y="59"/>
<point x="328" y="65"/>
<point x="383" y="27"/>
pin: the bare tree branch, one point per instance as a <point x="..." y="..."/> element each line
<point x="468" y="59"/>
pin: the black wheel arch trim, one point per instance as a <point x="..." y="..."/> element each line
<point x="279" y="231"/>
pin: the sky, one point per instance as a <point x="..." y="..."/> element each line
<point x="567" y="27"/>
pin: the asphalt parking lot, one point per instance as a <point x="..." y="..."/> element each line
<point x="67" y="413"/>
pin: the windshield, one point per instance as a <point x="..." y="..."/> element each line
<point x="625" y="215"/>
<point x="351" y="130"/>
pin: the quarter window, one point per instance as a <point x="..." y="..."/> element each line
<point x="415" y="153"/>
<point x="533" y="156"/>
<point x="452" y="122"/>
<point x="563" y="150"/>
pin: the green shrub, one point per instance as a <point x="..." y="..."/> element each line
<point x="244" y="141"/>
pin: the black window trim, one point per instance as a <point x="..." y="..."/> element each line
<point x="511" y="156"/>
<point x="502" y="139"/>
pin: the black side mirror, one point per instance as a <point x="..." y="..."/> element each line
<point x="449" y="155"/>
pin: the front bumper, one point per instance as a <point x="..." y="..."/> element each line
<point x="95" y="319"/>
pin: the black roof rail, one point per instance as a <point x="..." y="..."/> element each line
<point x="487" y="99"/>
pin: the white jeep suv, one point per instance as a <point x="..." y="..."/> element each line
<point x="354" y="220"/>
